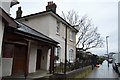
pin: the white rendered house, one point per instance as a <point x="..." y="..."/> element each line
<point x="51" y="24"/>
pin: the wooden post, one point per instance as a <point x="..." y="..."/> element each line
<point x="27" y="59"/>
<point x="52" y="61"/>
<point x="50" y="68"/>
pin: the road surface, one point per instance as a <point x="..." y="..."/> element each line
<point x="104" y="72"/>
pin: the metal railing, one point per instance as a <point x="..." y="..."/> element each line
<point x="59" y="67"/>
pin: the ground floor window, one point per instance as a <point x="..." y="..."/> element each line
<point x="71" y="55"/>
<point x="58" y="52"/>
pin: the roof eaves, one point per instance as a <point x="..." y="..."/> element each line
<point x="52" y="13"/>
<point x="36" y="37"/>
<point x="63" y="20"/>
<point x="32" y="15"/>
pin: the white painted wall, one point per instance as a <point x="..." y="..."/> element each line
<point x="61" y="38"/>
<point x="1" y="39"/>
<point x="39" y="23"/>
<point x="7" y="66"/>
<point x="1" y="35"/>
<point x="32" y="59"/>
<point x="5" y="4"/>
<point x="46" y="24"/>
<point x="71" y="44"/>
<point x="48" y="59"/>
<point x="62" y="45"/>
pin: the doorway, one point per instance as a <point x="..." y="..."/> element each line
<point x="38" y="63"/>
<point x="19" y="60"/>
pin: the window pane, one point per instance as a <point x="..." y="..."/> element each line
<point x="71" y="35"/>
<point x="71" y="55"/>
<point x="58" y="51"/>
<point x="58" y="27"/>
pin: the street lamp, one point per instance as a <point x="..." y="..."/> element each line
<point x="107" y="48"/>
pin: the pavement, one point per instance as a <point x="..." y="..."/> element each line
<point x="104" y="72"/>
<point x="31" y="76"/>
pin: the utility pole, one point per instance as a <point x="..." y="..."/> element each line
<point x="107" y="48"/>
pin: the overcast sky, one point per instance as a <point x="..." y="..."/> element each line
<point x="104" y="15"/>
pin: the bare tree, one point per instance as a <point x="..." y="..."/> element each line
<point x="88" y="37"/>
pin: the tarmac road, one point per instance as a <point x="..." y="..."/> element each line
<point x="104" y="72"/>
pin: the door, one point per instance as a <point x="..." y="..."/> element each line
<point x="38" y="63"/>
<point x="19" y="60"/>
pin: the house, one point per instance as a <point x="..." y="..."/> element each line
<point x="51" y="24"/>
<point x="24" y="50"/>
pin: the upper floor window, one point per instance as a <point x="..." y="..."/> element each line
<point x="71" y="55"/>
<point x="71" y="35"/>
<point x="58" y="27"/>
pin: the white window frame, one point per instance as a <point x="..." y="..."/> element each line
<point x="71" y="55"/>
<point x="58" y="51"/>
<point x="58" y="28"/>
<point x="71" y="34"/>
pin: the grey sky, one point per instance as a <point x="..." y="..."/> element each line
<point x="104" y="15"/>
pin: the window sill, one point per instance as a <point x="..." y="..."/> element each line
<point x="71" y="40"/>
<point x="58" y="34"/>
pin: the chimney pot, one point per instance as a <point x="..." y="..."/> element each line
<point x="48" y="3"/>
<point x="19" y="13"/>
<point x="51" y="6"/>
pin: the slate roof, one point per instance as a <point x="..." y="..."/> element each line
<point x="32" y="33"/>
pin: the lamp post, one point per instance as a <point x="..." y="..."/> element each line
<point x="107" y="48"/>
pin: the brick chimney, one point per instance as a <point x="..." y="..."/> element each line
<point x="19" y="13"/>
<point x="51" y="6"/>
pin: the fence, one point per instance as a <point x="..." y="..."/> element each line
<point x="59" y="67"/>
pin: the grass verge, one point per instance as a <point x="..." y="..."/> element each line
<point x="84" y="73"/>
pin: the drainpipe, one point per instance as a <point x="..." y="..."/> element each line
<point x="65" y="50"/>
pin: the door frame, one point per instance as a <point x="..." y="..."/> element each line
<point x="38" y="59"/>
<point x="25" y="56"/>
